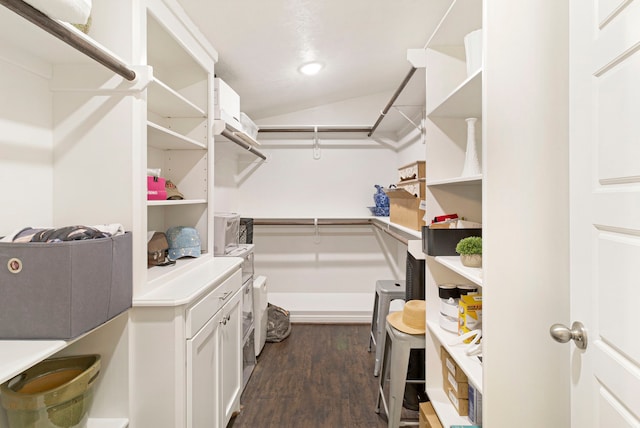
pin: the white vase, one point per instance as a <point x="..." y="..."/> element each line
<point x="471" y="162"/>
<point x="473" y="51"/>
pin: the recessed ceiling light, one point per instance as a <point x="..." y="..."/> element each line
<point x="311" y="68"/>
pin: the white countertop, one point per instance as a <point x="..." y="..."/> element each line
<point x="192" y="284"/>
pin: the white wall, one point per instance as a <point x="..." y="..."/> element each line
<point x="26" y="145"/>
<point x="328" y="274"/>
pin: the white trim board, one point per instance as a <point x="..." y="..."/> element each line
<point x="329" y="308"/>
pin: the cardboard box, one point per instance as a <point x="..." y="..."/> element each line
<point x="461" y="405"/>
<point x="442" y="242"/>
<point x="460" y="389"/>
<point x="404" y="209"/>
<point x="61" y="290"/>
<point x="470" y="317"/>
<point x="450" y="366"/>
<point x="428" y="417"/>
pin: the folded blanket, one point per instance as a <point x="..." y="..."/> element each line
<point x="72" y="11"/>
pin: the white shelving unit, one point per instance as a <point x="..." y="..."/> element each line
<point x="452" y="96"/>
<point x="179" y="128"/>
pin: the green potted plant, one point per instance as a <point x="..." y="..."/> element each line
<point x="470" y="250"/>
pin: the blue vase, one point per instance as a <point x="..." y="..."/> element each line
<point x="380" y="198"/>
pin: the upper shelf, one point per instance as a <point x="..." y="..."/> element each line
<point x="167" y="139"/>
<point x="52" y="41"/>
<point x="464" y="101"/>
<point x="166" y="102"/>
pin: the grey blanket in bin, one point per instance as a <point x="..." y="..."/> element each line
<point x="278" y="323"/>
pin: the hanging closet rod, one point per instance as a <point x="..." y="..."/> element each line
<point x="231" y="137"/>
<point x="329" y="222"/>
<point x="312" y="129"/>
<point x="392" y="233"/>
<point x="395" y="96"/>
<point x="311" y="222"/>
<point x="69" y="37"/>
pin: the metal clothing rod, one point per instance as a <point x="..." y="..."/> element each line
<point x="69" y="37"/>
<point x="312" y="129"/>
<point x="392" y="233"/>
<point x="231" y="137"/>
<point x="311" y="222"/>
<point x="392" y="100"/>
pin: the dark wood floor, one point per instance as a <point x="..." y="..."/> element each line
<point x="321" y="376"/>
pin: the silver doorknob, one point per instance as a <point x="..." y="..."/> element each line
<point x="563" y="334"/>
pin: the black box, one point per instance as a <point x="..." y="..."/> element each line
<point x="442" y="242"/>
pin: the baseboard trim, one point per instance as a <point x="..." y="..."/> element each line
<point x="329" y="318"/>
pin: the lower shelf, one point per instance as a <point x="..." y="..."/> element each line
<point x="107" y="423"/>
<point x="470" y="365"/>
<point x="444" y="409"/>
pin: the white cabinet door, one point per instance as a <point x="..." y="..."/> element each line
<point x="231" y="356"/>
<point x="203" y="365"/>
<point x="605" y="201"/>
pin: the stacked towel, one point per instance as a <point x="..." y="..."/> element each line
<point x="72" y="11"/>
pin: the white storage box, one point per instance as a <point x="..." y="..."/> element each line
<point x="226" y="233"/>
<point x="248" y="126"/>
<point x="226" y="103"/>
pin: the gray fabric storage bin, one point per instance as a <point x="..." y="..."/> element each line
<point x="61" y="290"/>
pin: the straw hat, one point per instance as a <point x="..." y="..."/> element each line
<point x="411" y="319"/>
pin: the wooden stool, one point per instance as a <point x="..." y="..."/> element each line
<point x="395" y="361"/>
<point x="386" y="291"/>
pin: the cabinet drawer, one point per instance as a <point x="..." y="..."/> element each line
<point x="199" y="313"/>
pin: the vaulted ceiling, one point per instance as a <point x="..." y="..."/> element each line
<point x="362" y="44"/>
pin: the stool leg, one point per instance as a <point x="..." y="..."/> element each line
<point x="374" y="321"/>
<point x="398" y="364"/>
<point x="384" y="304"/>
<point x="384" y="373"/>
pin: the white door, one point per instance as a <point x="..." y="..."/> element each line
<point x="605" y="211"/>
<point x="203" y="365"/>
<point x="231" y="357"/>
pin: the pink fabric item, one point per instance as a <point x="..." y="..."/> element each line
<point x="156" y="195"/>
<point x="155" y="183"/>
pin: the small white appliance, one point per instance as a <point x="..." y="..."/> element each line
<point x="226" y="233"/>
<point x="260" y="302"/>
